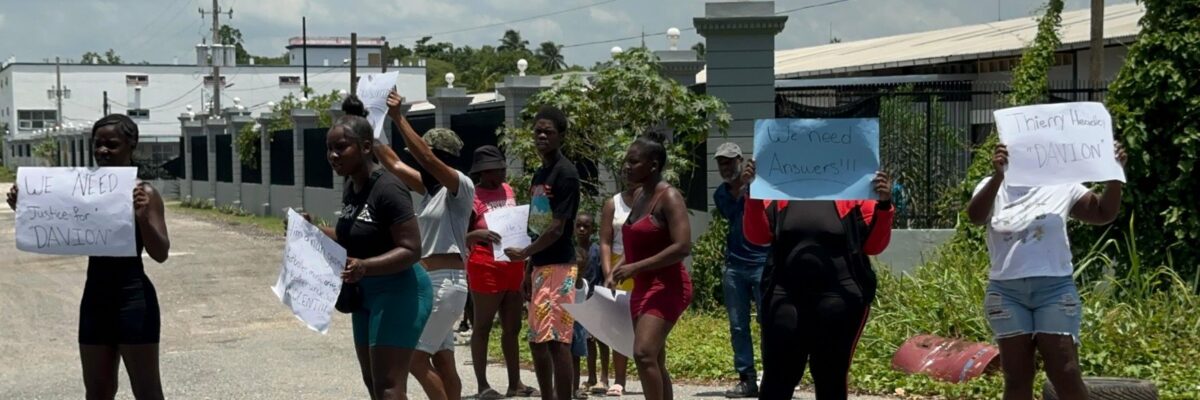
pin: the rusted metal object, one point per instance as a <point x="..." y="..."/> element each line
<point x="950" y="360"/>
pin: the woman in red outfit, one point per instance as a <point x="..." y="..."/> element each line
<point x="818" y="284"/>
<point x="657" y="238"/>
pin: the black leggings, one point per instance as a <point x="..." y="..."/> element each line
<point x="820" y="329"/>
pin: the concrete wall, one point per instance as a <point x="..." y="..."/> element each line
<point x="322" y="202"/>
<point x="912" y="247"/>
<point x="284" y="197"/>
<point x="253" y="197"/>
<point x="168" y="189"/>
<point x="227" y="193"/>
<point x="202" y="191"/>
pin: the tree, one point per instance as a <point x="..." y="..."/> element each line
<point x="511" y="41"/>
<point x="247" y="142"/>
<point x="109" y="57"/>
<point x="550" y="56"/>
<point x="620" y="104"/>
<point x="1156" y="115"/>
<point x="233" y="36"/>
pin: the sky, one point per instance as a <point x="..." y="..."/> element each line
<point x="160" y="30"/>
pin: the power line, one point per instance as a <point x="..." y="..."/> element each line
<point x="530" y="18"/>
<point x="621" y="39"/>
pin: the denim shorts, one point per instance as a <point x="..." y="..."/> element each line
<point x="1045" y="304"/>
<point x="579" y="342"/>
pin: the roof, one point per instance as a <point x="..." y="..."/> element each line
<point x="476" y="99"/>
<point x="971" y="42"/>
<point x="335" y="41"/>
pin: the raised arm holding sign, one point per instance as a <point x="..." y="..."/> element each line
<point x="815" y="159"/>
<point x="1052" y="144"/>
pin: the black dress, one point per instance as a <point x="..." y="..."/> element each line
<point x="119" y="304"/>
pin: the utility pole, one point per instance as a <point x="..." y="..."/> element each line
<point x="58" y="90"/>
<point x="105" y="103"/>
<point x="1096" y="70"/>
<point x="353" y="62"/>
<point x="304" y="46"/>
<point x="383" y="57"/>
<point x="216" y="41"/>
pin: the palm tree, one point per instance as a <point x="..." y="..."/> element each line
<point x="512" y="41"/>
<point x="551" y="58"/>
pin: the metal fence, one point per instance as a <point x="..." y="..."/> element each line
<point x="927" y="132"/>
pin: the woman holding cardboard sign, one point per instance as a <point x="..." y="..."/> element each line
<point x="391" y="299"/>
<point x="447" y="201"/>
<point x="1031" y="303"/>
<point x="818" y="284"/>
<point x="118" y="314"/>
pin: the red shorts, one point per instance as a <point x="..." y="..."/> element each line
<point x="488" y="276"/>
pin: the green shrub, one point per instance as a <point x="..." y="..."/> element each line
<point x="1155" y="105"/>
<point x="7" y="175"/>
<point x="708" y="265"/>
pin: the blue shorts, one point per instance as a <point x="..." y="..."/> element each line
<point x="579" y="342"/>
<point x="1038" y="305"/>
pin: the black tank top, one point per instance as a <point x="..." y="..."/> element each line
<point x="817" y="251"/>
<point x="117" y="270"/>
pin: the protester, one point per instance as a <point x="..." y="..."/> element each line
<point x="118" y="315"/>
<point x="552" y="273"/>
<point x="657" y="238"/>
<point x="447" y="201"/>
<point x="495" y="285"/>
<point x="612" y="252"/>
<point x="819" y="285"/>
<point x="744" y="262"/>
<point x="379" y="232"/>
<point x="1031" y="302"/>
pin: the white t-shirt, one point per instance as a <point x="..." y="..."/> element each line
<point x="620" y="214"/>
<point x="443" y="219"/>
<point x="1027" y="230"/>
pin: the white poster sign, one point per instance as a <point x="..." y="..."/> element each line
<point x="511" y="224"/>
<point x="310" y="278"/>
<point x="1053" y="144"/>
<point x="606" y="317"/>
<point x="373" y="90"/>
<point x="76" y="211"/>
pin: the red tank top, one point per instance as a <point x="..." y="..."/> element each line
<point x="644" y="238"/>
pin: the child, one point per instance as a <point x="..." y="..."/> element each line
<point x="588" y="261"/>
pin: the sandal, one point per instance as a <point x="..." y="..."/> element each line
<point x="580" y="394"/>
<point x="615" y="391"/>
<point x="599" y="388"/>
<point x="528" y="391"/>
<point x="489" y="394"/>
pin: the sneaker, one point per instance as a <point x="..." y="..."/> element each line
<point x="744" y="389"/>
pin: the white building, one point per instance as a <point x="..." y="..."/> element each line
<point x="155" y="95"/>
<point x="334" y="50"/>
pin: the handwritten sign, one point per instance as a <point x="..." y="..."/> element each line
<point x="373" y="90"/>
<point x="1061" y="143"/>
<point x="815" y="159"/>
<point x="76" y="211"/>
<point x="510" y="223"/>
<point x="606" y="317"/>
<point x="310" y="278"/>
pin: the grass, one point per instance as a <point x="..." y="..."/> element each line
<point x="229" y="216"/>
<point x="7" y="175"/>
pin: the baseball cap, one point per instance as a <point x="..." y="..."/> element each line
<point x="487" y="158"/>
<point x="728" y="150"/>
<point x="444" y="139"/>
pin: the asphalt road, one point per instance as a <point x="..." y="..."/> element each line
<point x="224" y="333"/>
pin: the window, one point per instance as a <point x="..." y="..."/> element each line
<point x="137" y="113"/>
<point x="287" y="81"/>
<point x="137" y="80"/>
<point x="36" y="119"/>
